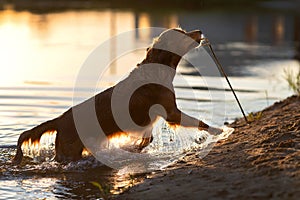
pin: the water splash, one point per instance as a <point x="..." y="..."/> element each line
<point x="41" y="150"/>
<point x="168" y="146"/>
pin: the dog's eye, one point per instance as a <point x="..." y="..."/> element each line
<point x="148" y="49"/>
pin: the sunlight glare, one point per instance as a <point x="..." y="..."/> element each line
<point x="14" y="46"/>
<point x="120" y="139"/>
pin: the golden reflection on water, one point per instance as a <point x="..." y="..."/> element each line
<point x="13" y="39"/>
<point x="39" y="48"/>
<point x="122" y="182"/>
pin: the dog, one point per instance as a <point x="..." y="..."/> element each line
<point x="146" y="94"/>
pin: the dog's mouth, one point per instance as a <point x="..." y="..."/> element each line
<point x="204" y="41"/>
<point x="196" y="35"/>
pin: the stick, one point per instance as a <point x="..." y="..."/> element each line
<point x="221" y="69"/>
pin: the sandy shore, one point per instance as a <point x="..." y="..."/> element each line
<point x="258" y="161"/>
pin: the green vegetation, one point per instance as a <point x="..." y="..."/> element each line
<point x="104" y="189"/>
<point x="254" y="116"/>
<point x="131" y="180"/>
<point x="293" y="79"/>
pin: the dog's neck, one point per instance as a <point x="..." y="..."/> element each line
<point x="161" y="57"/>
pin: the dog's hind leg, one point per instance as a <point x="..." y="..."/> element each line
<point x="32" y="135"/>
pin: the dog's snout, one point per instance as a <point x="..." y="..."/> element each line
<point x="196" y="35"/>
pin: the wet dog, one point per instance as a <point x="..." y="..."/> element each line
<point x="131" y="106"/>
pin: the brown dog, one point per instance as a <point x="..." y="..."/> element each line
<point x="144" y="95"/>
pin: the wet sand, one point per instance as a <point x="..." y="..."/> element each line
<point x="257" y="161"/>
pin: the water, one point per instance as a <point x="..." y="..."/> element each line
<point x="41" y="55"/>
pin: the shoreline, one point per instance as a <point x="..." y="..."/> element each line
<point x="257" y="161"/>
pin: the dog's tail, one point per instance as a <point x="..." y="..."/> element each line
<point x="33" y="136"/>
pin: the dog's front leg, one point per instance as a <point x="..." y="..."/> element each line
<point x="176" y="117"/>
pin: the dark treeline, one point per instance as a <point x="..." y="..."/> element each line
<point x="53" y="5"/>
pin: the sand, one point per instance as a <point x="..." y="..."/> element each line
<point x="258" y="161"/>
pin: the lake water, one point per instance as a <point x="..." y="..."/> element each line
<point x="42" y="53"/>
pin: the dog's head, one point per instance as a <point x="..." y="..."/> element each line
<point x="177" y="41"/>
<point x="171" y="45"/>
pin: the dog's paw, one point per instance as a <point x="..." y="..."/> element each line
<point x="214" y="131"/>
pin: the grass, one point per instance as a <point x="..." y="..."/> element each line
<point x="293" y="79"/>
<point x="104" y="189"/>
<point x="254" y="116"/>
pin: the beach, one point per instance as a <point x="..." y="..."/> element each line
<point x="259" y="160"/>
